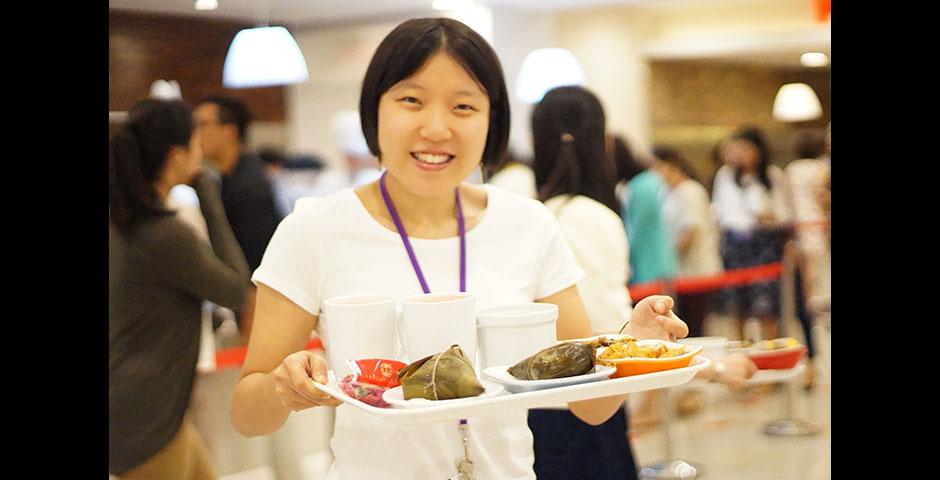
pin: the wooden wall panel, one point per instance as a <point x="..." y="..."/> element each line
<point x="694" y="104"/>
<point x="144" y="48"/>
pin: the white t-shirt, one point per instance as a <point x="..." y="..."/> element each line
<point x="332" y="246"/>
<point x="736" y="207"/>
<point x="516" y="178"/>
<point x="599" y="241"/>
<point x="685" y="207"/>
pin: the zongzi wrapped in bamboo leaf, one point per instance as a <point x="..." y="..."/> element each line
<point x="558" y="361"/>
<point x="443" y="376"/>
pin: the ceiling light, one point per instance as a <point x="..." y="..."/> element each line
<point x="451" y="4"/>
<point x="263" y="57"/>
<point x="166" y="90"/>
<point x="477" y="17"/>
<point x="796" y="102"/>
<point x="544" y="69"/>
<point x="814" y="59"/>
<point x="206" y="4"/>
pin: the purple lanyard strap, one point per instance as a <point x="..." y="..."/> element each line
<point x="411" y="253"/>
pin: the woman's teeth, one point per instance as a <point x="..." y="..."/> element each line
<point x="430" y="158"/>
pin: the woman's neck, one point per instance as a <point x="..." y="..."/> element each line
<point x="419" y="209"/>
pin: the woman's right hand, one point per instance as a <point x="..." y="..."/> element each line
<point x="293" y="379"/>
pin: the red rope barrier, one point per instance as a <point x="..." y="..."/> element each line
<point x="730" y="278"/>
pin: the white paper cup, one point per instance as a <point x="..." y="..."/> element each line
<point x="511" y="333"/>
<point x="358" y="326"/>
<point x="432" y="322"/>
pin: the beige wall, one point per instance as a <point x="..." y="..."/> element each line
<point x="697" y="103"/>
<point x="515" y="34"/>
<point x="695" y="19"/>
<point x="609" y="44"/>
<point x="337" y="59"/>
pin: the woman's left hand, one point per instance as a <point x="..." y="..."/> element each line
<point x="653" y="318"/>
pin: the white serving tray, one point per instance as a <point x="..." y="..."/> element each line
<point x="537" y="399"/>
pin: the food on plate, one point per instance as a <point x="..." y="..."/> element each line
<point x="634" y="357"/>
<point x="566" y="359"/>
<point x="604" y="340"/>
<point x="738" y="346"/>
<point x="776" y="344"/>
<point x="364" y="392"/>
<point x="443" y="376"/>
<point x="777" y="354"/>
<point x="628" y="348"/>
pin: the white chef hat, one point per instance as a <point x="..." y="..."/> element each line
<point x="348" y="133"/>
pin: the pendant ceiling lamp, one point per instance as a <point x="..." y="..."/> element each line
<point x="544" y="69"/>
<point x="263" y="57"/>
<point x="796" y="102"/>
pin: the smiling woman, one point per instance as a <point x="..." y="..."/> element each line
<point x="433" y="108"/>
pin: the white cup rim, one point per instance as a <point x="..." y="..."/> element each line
<point x="508" y="322"/>
<point x="515" y="315"/>
<point x="359" y="300"/>
<point x="517" y="309"/>
<point x="413" y="300"/>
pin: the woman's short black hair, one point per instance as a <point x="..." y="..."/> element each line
<point x="405" y="50"/>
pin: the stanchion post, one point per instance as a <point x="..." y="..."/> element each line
<point x="788" y="287"/>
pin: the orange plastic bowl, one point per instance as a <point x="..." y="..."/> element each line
<point x="779" y="359"/>
<point x="637" y="366"/>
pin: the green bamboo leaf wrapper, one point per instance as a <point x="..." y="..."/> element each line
<point x="444" y="376"/>
<point x="558" y="361"/>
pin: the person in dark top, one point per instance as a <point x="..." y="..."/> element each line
<point x="247" y="193"/>
<point x="159" y="273"/>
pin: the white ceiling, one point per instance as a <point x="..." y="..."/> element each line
<point x="782" y="49"/>
<point x="304" y="12"/>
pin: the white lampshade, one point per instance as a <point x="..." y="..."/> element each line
<point x="544" y="69"/>
<point x="796" y="102"/>
<point x="814" y="59"/>
<point x="206" y="5"/>
<point x="166" y="90"/>
<point x="476" y="16"/>
<point x="263" y="57"/>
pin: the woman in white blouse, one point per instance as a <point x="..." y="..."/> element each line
<point x="749" y="200"/>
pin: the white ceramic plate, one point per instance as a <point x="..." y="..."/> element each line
<point x="500" y="374"/>
<point x="395" y="397"/>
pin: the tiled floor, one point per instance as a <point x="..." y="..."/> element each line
<point x="724" y="440"/>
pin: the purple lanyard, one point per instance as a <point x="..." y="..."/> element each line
<point x="411" y="252"/>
